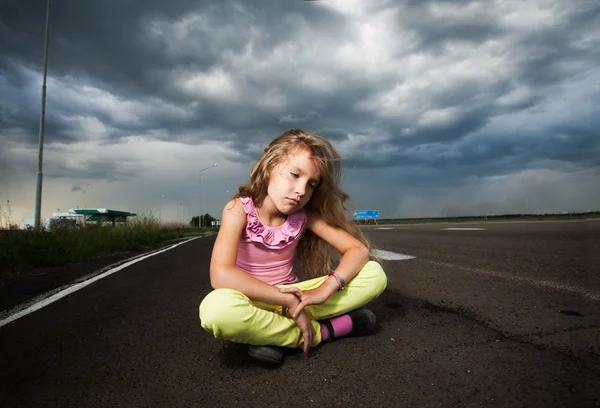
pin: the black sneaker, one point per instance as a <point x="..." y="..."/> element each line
<point x="363" y="322"/>
<point x="266" y="354"/>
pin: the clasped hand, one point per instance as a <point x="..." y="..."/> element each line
<point x="307" y="297"/>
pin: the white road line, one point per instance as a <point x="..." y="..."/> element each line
<point x="81" y="285"/>
<point x="463" y="229"/>
<point x="392" y="256"/>
<point x="534" y="282"/>
<point x="384" y="228"/>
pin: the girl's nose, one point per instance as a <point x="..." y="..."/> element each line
<point x="300" y="188"/>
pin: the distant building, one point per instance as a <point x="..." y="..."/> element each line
<point x="103" y="215"/>
<point x="80" y="216"/>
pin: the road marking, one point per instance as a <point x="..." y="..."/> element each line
<point x="384" y="228"/>
<point x="463" y="229"/>
<point x="392" y="256"/>
<point x="59" y="295"/>
<point x="534" y="282"/>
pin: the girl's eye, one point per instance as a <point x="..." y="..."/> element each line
<point x="295" y="175"/>
<point x="312" y="185"/>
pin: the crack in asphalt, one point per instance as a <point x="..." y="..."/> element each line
<point x="502" y="336"/>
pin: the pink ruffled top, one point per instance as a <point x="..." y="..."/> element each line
<point x="267" y="253"/>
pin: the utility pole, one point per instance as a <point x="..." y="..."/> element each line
<point x="200" y="191"/>
<point x="38" y="191"/>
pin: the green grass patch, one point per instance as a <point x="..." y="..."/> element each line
<point x="26" y="250"/>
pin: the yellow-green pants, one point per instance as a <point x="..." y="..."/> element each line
<point x="231" y="315"/>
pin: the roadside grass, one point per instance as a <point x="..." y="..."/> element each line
<point x="23" y="250"/>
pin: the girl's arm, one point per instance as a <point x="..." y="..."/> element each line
<point x="224" y="273"/>
<point x="354" y="253"/>
<point x="354" y="256"/>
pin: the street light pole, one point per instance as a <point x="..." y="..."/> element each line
<point x="160" y="209"/>
<point x="38" y="189"/>
<point x="200" y="192"/>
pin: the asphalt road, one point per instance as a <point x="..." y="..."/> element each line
<point x="507" y="316"/>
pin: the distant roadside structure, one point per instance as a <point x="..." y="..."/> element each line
<point x="103" y="215"/>
<point x="81" y="216"/>
<point x="64" y="220"/>
<point x="58" y="220"/>
<point x="366" y="216"/>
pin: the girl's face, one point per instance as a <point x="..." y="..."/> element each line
<point x="293" y="181"/>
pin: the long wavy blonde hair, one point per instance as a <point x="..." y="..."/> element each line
<point x="314" y="256"/>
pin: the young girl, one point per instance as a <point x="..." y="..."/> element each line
<point x="293" y="207"/>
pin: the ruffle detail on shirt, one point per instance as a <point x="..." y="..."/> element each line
<point x="272" y="237"/>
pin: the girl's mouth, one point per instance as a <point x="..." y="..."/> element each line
<point x="295" y="202"/>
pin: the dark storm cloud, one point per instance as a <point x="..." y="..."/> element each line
<point x="433" y="30"/>
<point x="550" y="55"/>
<point x="83" y="188"/>
<point x="132" y="51"/>
<point x="108" y="171"/>
<point x="100" y="39"/>
<point x="110" y="45"/>
<point x="111" y="41"/>
<point x="545" y="55"/>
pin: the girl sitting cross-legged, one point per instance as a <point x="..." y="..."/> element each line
<point x="292" y="208"/>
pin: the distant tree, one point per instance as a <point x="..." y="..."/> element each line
<point x="207" y="220"/>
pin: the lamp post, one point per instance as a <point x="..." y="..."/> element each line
<point x="200" y="191"/>
<point x="160" y="209"/>
<point x="38" y="187"/>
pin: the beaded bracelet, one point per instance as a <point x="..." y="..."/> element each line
<point x="340" y="281"/>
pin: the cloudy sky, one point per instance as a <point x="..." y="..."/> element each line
<point x="450" y="107"/>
